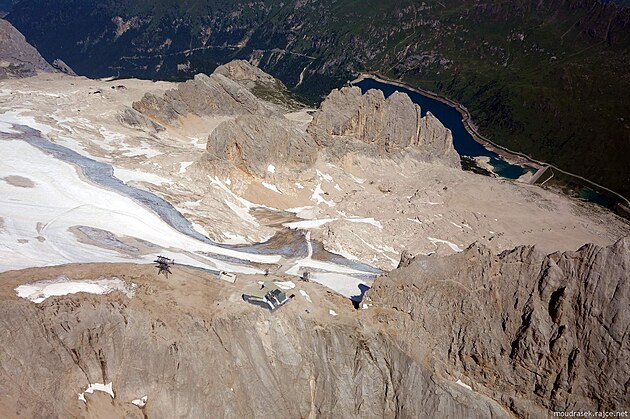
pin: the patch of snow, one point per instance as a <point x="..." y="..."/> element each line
<point x="228" y="181"/>
<point x="271" y="168"/>
<point x="297" y="210"/>
<point x="9" y="118"/>
<point x="183" y="166"/>
<point x="39" y="291"/>
<point x="364" y="306"/>
<point x="357" y="180"/>
<point x="308" y="223"/>
<point x="233" y="238"/>
<point x="141" y="402"/>
<point x="243" y="213"/>
<point x="456" y="225"/>
<point x="286" y="285"/>
<point x="453" y="246"/>
<point x="332" y="312"/>
<point x="317" y="196"/>
<point x="299" y="185"/>
<point x="127" y="175"/>
<point x="415" y="220"/>
<point x="325" y="176"/>
<point x="105" y="388"/>
<point x="367" y="221"/>
<point x="461" y="383"/>
<point x="337" y="187"/>
<point x="271" y="187"/>
<point x="306" y="296"/>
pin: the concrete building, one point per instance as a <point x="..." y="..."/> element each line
<point x="267" y="295"/>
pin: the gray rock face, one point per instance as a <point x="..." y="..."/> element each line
<point x="192" y="363"/>
<point x="382" y="126"/>
<point x="204" y="95"/>
<point x="252" y="142"/>
<point x="243" y="72"/>
<point x="134" y="119"/>
<point x="17" y="57"/>
<point x="261" y="84"/>
<point x="534" y="331"/>
<point x="347" y="122"/>
<point x="525" y="333"/>
<point x="60" y="65"/>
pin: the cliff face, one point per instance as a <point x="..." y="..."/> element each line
<point x="258" y="134"/>
<point x="194" y="355"/>
<point x="383" y="126"/>
<point x="204" y="95"/>
<point x="528" y="327"/>
<point x="251" y="143"/>
<point x="17" y="57"/>
<point x="470" y="335"/>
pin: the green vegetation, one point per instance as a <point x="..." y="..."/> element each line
<point x="549" y="78"/>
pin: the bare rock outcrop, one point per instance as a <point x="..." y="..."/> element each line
<point x="134" y="119"/>
<point x="17" y="57"/>
<point x="197" y="356"/>
<point x="203" y="95"/>
<point x="61" y="66"/>
<point x="245" y="73"/>
<point x="253" y="142"/>
<point x="469" y="335"/>
<point x="535" y="331"/>
<point x="381" y="126"/>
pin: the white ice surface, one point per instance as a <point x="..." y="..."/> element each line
<point x="335" y="277"/>
<point x="61" y="199"/>
<point x="332" y="312"/>
<point x="39" y="291"/>
<point x="453" y="246"/>
<point x="461" y="383"/>
<point x="127" y="176"/>
<point x="306" y="296"/>
<point x="285" y="285"/>
<point x="271" y="168"/>
<point x="183" y="166"/>
<point x="16" y="117"/>
<point x="271" y="187"/>
<point x="141" y="402"/>
<point x="105" y="388"/>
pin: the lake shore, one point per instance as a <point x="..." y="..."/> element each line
<point x="511" y="156"/>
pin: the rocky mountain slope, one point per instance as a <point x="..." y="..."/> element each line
<point x="260" y="135"/>
<point x="554" y="327"/>
<point x="225" y="173"/>
<point x="17" y="57"/>
<point x="552" y="339"/>
<point x="547" y="78"/>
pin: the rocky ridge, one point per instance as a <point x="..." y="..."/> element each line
<point x="17" y="57"/>
<point x="552" y="338"/>
<point x="382" y="126"/>
<point x="347" y="122"/>
<point x="553" y="329"/>
<point x="204" y="95"/>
